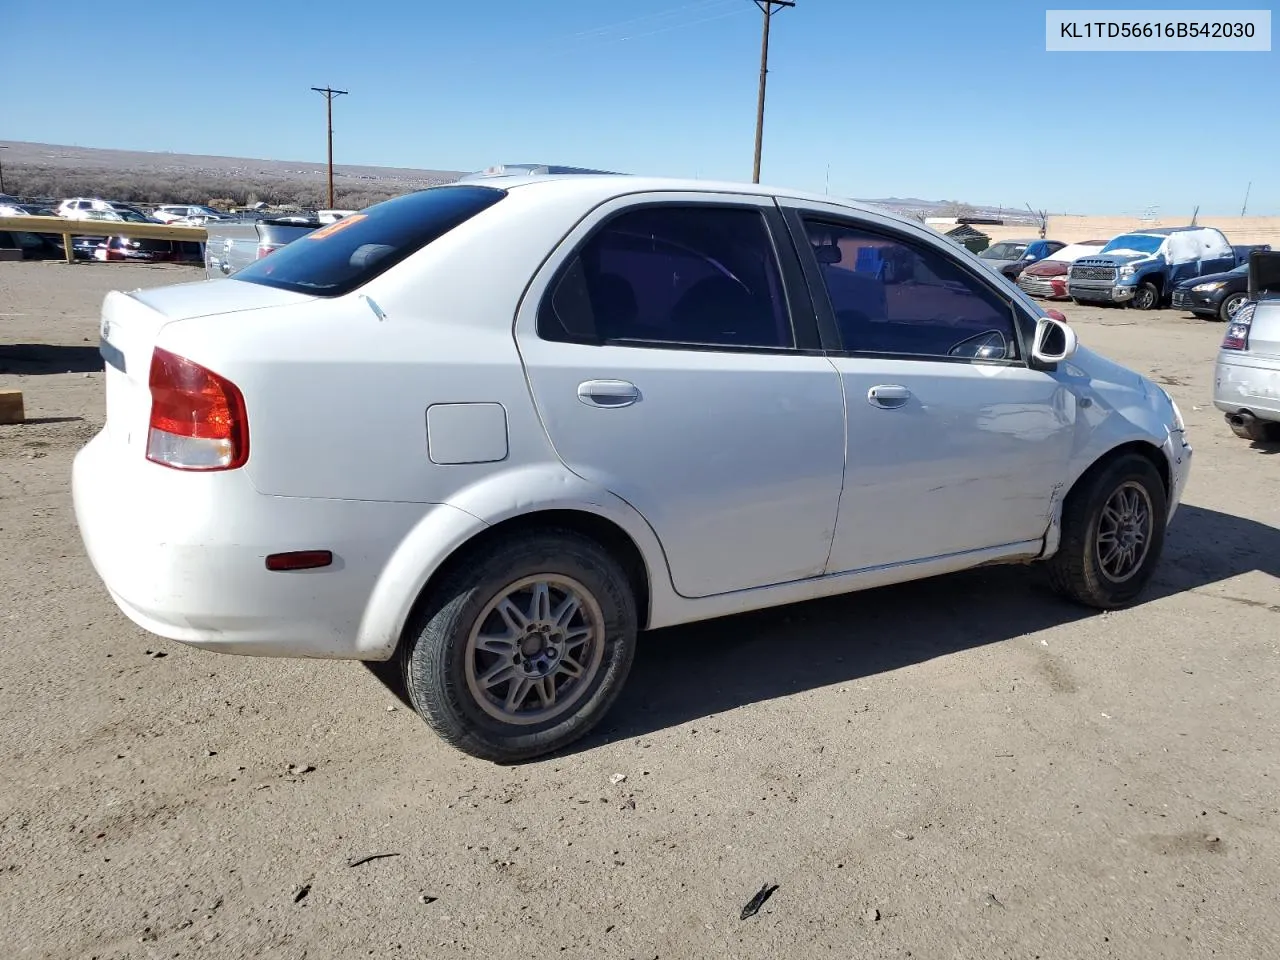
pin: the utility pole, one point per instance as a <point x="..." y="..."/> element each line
<point x="329" y="94"/>
<point x="767" y="8"/>
<point x="2" y="173"/>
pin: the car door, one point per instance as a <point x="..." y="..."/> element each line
<point x="670" y="365"/>
<point x="954" y="443"/>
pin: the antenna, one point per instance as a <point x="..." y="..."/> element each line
<point x="1195" y="213"/>
<point x="1246" y="198"/>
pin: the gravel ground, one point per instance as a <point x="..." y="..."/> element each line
<point x="961" y="768"/>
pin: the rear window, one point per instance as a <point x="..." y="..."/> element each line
<point x="343" y="255"/>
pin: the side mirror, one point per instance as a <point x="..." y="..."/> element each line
<point x="1055" y="341"/>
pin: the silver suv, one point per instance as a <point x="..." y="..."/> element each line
<point x="1246" y="380"/>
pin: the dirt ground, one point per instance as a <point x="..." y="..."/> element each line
<point x="962" y="768"/>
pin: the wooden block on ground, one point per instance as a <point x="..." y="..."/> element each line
<point x="11" y="406"/>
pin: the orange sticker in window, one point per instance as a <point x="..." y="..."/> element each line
<point x="331" y="229"/>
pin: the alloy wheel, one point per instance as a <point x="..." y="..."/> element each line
<point x="535" y="649"/>
<point x="1124" y="532"/>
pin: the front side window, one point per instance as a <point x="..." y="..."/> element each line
<point x="667" y="274"/>
<point x="898" y="298"/>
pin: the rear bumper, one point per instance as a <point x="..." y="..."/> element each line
<point x="183" y="556"/>
<point x="1244" y="384"/>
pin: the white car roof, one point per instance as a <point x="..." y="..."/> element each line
<point x="601" y="187"/>
<point x="1073" y="251"/>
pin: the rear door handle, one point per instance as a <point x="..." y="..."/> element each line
<point x="608" y="393"/>
<point x="888" y="396"/>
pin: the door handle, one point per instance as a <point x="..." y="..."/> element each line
<point x="888" y="396"/>
<point x="608" y="393"/>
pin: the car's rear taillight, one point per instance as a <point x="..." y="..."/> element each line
<point x="1237" y="335"/>
<point x="266" y="248"/>
<point x="198" y="419"/>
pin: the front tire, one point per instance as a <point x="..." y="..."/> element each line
<point x="523" y="647"/>
<point x="1113" y="526"/>
<point x="1230" y="305"/>
<point x="1146" y="297"/>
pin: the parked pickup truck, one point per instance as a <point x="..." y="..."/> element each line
<point x="1143" y="268"/>
<point x="233" y="244"/>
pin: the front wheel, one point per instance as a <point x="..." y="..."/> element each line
<point x="523" y="648"/>
<point x="1230" y="305"/>
<point x="1113" y="526"/>
<point x="1146" y="297"/>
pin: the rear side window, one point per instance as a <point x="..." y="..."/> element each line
<point x="343" y="255"/>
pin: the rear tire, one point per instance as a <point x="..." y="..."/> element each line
<point x="1113" y="525"/>
<point x="505" y="623"/>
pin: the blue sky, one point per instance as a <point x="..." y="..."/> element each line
<point x="942" y="100"/>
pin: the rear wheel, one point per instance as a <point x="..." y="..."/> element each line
<point x="1146" y="297"/>
<point x="1113" y="526"/>
<point x="1230" y="305"/>
<point x="523" y="648"/>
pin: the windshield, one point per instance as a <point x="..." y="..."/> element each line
<point x="1004" y="251"/>
<point x="1134" y="243"/>
<point x="349" y="252"/>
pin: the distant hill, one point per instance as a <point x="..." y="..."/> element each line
<point x="58" y="170"/>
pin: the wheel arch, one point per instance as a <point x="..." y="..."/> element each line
<point x="603" y="531"/>
<point x="1144" y="448"/>
<point x="517" y="502"/>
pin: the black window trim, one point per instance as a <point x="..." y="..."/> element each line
<point x="795" y="217"/>
<point x="797" y="295"/>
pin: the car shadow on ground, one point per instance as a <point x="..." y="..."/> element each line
<point x="32" y="359"/>
<point x="690" y="672"/>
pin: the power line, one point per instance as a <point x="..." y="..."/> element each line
<point x="329" y="94"/>
<point x="767" y="8"/>
<point x="648" y="20"/>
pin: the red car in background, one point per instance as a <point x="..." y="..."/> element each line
<point x="1047" y="278"/>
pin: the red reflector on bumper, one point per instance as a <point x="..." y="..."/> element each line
<point x="300" y="560"/>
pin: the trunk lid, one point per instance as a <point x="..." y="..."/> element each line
<point x="132" y="321"/>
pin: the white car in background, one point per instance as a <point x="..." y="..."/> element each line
<point x="496" y="428"/>
<point x="187" y="213"/>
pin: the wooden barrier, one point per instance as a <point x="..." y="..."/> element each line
<point x="101" y="228"/>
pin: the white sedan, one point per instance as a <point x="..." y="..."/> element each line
<point x="495" y="429"/>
